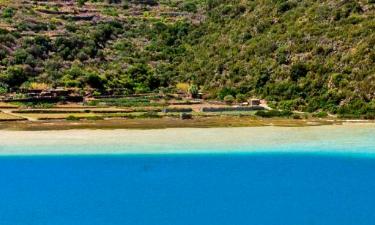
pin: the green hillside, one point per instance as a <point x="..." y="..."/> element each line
<point x="297" y="54"/>
<point x="303" y="55"/>
<point x="110" y="46"/>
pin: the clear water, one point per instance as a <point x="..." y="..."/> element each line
<point x="267" y="188"/>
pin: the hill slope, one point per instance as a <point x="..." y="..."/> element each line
<point x="305" y="55"/>
<point x="298" y="54"/>
<point x="111" y="47"/>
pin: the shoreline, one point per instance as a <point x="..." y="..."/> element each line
<point x="171" y="122"/>
<point x="346" y="139"/>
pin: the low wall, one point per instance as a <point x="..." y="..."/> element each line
<point x="47" y="99"/>
<point x="177" y="110"/>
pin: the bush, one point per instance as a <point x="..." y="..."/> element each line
<point x="241" y="98"/>
<point x="189" y="7"/>
<point x="225" y="92"/>
<point x="8" y="13"/>
<point x="229" y="99"/>
<point x="298" y="70"/>
<point x="286" y="6"/>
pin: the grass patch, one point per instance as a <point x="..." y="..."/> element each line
<point x="124" y="102"/>
<point x="39" y="105"/>
<point x="149" y="115"/>
<point x="320" y="115"/>
<point x="72" y="118"/>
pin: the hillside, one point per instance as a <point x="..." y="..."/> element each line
<point x="108" y="46"/>
<point x="299" y="55"/>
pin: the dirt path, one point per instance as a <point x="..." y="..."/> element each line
<point x="9" y="112"/>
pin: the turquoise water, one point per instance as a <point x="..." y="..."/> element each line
<point x="187" y="189"/>
<point x="321" y="182"/>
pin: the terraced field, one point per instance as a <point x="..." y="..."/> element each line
<point x="98" y="47"/>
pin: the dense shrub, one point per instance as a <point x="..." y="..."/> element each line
<point x="229" y="99"/>
<point x="8" y="12"/>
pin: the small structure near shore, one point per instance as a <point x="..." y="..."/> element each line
<point x="51" y="95"/>
<point x="254" y="102"/>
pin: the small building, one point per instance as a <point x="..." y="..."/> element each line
<point x="52" y="93"/>
<point x="254" y="102"/>
<point x="48" y="95"/>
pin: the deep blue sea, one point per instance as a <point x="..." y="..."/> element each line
<point x="220" y="189"/>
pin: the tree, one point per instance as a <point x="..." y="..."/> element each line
<point x="14" y="76"/>
<point x="95" y="81"/>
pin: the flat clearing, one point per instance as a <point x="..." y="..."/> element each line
<point x="8" y="117"/>
<point x="4" y="105"/>
<point x="161" y="123"/>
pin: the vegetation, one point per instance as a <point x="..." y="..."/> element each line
<point x="72" y="118"/>
<point x="320" y="114"/>
<point x="302" y="55"/>
<point x="124" y="102"/>
<point x="229" y="99"/>
<point x="109" y="50"/>
<point x="273" y="113"/>
<point x="299" y="55"/>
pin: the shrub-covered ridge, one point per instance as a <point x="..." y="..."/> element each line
<point x="300" y="55"/>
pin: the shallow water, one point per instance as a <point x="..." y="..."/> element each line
<point x="323" y="176"/>
<point x="356" y="139"/>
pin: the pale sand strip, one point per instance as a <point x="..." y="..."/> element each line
<point x="352" y="138"/>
